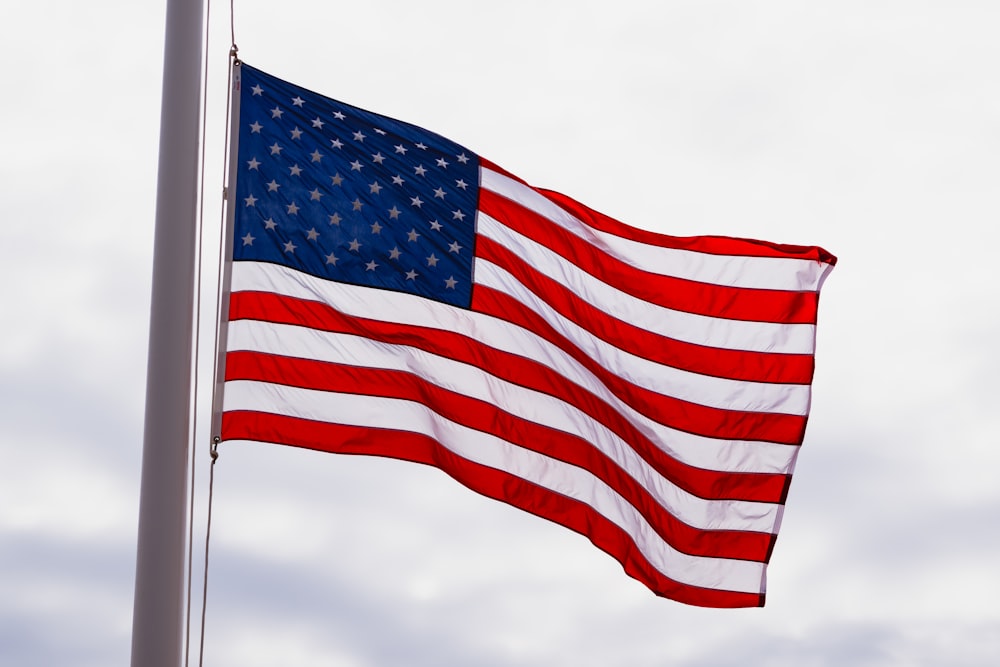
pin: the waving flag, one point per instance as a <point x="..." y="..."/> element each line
<point x="392" y="293"/>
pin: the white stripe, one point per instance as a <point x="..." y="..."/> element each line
<point x="356" y="351"/>
<point x="738" y="271"/>
<point x="392" y="306"/>
<point x="690" y="327"/>
<point x="699" y="451"/>
<point x="714" y="392"/>
<point x="561" y="478"/>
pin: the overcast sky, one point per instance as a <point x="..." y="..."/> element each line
<point x="871" y="128"/>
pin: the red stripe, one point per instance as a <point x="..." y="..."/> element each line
<point x="488" y="418"/>
<point x="726" y="301"/>
<point x="713" y="245"/>
<point x="573" y="514"/>
<point x="761" y="487"/>
<point x="717" y="362"/>
<point x="486" y="164"/>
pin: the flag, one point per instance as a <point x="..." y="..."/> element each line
<point x="392" y="293"/>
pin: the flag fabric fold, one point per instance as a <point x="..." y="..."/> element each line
<point x="392" y="293"/>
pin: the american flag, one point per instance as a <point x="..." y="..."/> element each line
<point x="393" y="293"/>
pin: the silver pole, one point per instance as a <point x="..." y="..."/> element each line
<point x="157" y="621"/>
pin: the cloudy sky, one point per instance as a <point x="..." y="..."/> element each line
<point x="871" y="128"/>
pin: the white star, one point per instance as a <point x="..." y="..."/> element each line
<point x="317" y="123"/>
<point x="401" y="149"/>
<point x="379" y="130"/>
<point x="248" y="239"/>
<point x="439" y="193"/>
<point x="421" y="147"/>
<point x="295" y="170"/>
<point x="358" y="136"/>
<point x="314" y="195"/>
<point x="290" y="247"/>
<point x="432" y="260"/>
<point x="454" y="247"/>
<point x="375" y="188"/>
<point x="394" y="213"/>
<point x="411" y="275"/>
<point x="377" y="158"/>
<point x="296" y="133"/>
<point x="461" y="184"/>
<point x="332" y="259"/>
<point x="396" y="180"/>
<point x="276" y="112"/>
<point x="457" y="215"/>
<point x="255" y="128"/>
<point x="335" y="219"/>
<point x="435" y="225"/>
<point x="336" y="143"/>
<point x="463" y="158"/>
<point x="356" y="166"/>
<point x="298" y="101"/>
<point x="415" y="201"/>
<point x="450" y="283"/>
<point x="442" y="163"/>
<point x="419" y="170"/>
<point x="257" y="90"/>
<point x="316" y="156"/>
<point x="275" y="149"/>
<point x="273" y="186"/>
<point x="252" y="163"/>
<point x="338" y="115"/>
<point x="292" y="209"/>
<point x="354" y="245"/>
<point x="412" y="236"/>
<point x="376" y="228"/>
<point x="337" y="179"/>
<point x="357" y="204"/>
<point x="270" y="224"/>
<point x="312" y="234"/>
<point x="371" y="266"/>
<point x="251" y="200"/>
<point x="394" y="253"/>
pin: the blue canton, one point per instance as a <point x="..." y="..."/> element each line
<point x="352" y="196"/>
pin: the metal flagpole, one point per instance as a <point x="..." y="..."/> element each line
<point x="157" y="621"/>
